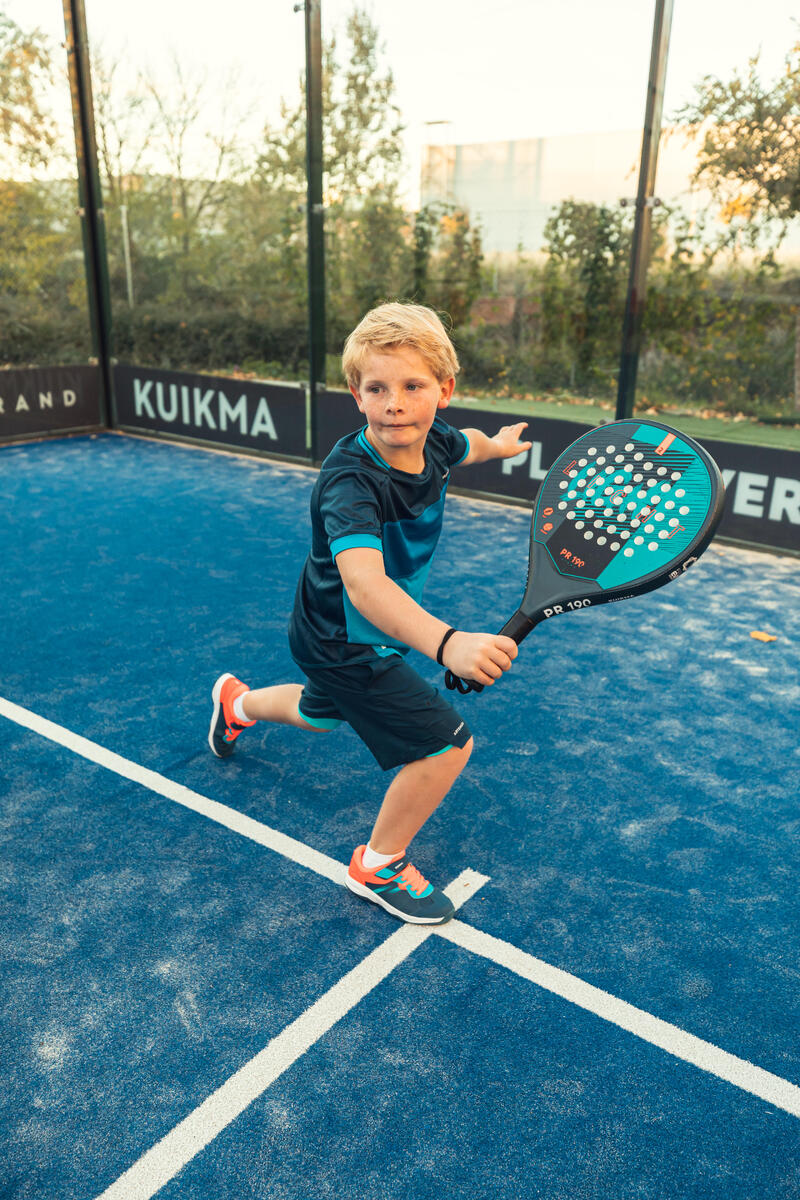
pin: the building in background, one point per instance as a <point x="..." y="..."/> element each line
<point x="512" y="187"/>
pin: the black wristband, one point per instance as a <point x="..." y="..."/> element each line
<point x="442" y="645"/>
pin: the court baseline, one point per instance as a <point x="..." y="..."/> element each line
<point x="166" y="1158"/>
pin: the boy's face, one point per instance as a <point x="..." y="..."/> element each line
<point x="399" y="395"/>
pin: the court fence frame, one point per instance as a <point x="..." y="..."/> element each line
<point x="274" y="419"/>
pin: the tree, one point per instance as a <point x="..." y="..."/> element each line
<point x="583" y="289"/>
<point x="363" y="123"/>
<point x="749" y="155"/>
<point x="447" y="257"/>
<point x="26" y="126"/>
<point x="366" y="254"/>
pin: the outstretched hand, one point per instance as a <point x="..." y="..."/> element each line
<point x="507" y="440"/>
<point x="482" y="657"/>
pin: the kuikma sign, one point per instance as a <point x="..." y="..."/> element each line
<point x="270" y="417"/>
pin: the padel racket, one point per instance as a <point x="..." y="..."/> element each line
<point x="625" y="509"/>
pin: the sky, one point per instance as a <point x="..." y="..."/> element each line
<point x="465" y="70"/>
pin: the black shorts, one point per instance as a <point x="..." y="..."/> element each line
<point x="397" y="714"/>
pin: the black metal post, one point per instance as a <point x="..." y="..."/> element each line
<point x="90" y="197"/>
<point x="315" y="216"/>
<point x="640" y="249"/>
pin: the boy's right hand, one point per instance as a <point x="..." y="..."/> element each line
<point x="482" y="657"/>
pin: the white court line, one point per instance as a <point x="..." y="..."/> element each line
<point x="163" y="1162"/>
<point x="298" y="852"/>
<point x="644" y="1025"/>
<point x="707" y="1057"/>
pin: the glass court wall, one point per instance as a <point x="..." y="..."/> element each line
<point x="203" y="193"/>
<point x="43" y="306"/>
<point x="481" y="159"/>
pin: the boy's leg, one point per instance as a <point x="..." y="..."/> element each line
<point x="414" y="793"/>
<point x="392" y="881"/>
<point x="278" y="704"/>
<point x="235" y="707"/>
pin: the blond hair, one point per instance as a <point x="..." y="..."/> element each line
<point x="391" y="325"/>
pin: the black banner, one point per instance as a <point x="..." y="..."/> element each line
<point x="242" y="413"/>
<point x="48" y="400"/>
<point x="337" y="415"/>
<point x="762" y="504"/>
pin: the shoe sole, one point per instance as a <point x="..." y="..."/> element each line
<point x="360" y="889"/>
<point x="215" y="696"/>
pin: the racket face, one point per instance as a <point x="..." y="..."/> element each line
<point x="624" y="509"/>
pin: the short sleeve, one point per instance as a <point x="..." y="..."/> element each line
<point x="350" y="510"/>
<point x="454" y="445"/>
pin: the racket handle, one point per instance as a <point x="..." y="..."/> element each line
<point x="517" y="628"/>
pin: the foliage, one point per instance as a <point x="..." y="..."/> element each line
<point x="217" y="241"/>
<point x="583" y="292"/>
<point x="749" y="154"/>
<point x="26" y="127"/>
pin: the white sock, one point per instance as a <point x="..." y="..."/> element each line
<point x="238" y="711"/>
<point x="371" y="860"/>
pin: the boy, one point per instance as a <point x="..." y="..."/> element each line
<point x="376" y="515"/>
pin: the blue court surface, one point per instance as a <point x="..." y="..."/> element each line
<point x="193" y="1005"/>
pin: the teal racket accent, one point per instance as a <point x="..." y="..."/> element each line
<point x="626" y="508"/>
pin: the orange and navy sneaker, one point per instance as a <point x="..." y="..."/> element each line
<point x="225" y="725"/>
<point x="400" y="889"/>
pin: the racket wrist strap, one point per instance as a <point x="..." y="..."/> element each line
<point x="442" y="645"/>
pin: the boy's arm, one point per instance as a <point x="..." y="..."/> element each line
<point x="479" y="656"/>
<point x="505" y="444"/>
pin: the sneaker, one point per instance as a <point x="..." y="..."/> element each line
<point x="225" y="726"/>
<point x="400" y="889"/>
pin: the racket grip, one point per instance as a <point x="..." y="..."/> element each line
<point x="518" y="627"/>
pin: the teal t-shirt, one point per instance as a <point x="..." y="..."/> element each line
<point x="360" y="500"/>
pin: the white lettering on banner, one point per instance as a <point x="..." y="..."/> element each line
<point x="202" y="400"/>
<point x="751" y="491"/>
<point x="785" y="499"/>
<point x="748" y="500"/>
<point x="141" y="398"/>
<point x="262" y="421"/>
<point x="194" y="406"/>
<point x="237" y="411"/>
<point x="535" y="470"/>
<point x="45" y="400"/>
<point x="167" y="414"/>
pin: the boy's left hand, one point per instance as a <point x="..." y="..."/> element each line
<point x="507" y="440"/>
